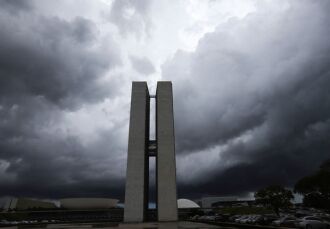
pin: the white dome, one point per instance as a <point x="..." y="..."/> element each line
<point x="185" y="203"/>
<point x="88" y="203"/>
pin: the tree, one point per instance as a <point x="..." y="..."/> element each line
<point x="275" y="197"/>
<point x="316" y="188"/>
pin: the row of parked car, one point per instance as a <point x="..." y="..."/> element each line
<point x="321" y="221"/>
<point x="307" y="222"/>
<point x="6" y="222"/>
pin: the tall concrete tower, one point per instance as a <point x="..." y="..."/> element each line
<point x="140" y="148"/>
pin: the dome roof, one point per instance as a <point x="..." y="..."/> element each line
<point x="185" y="203"/>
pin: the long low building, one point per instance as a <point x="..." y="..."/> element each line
<point x="207" y="202"/>
<point x="28" y="204"/>
<point x="88" y="203"/>
<point x="221" y="201"/>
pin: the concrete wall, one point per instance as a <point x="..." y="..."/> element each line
<point x="136" y="192"/>
<point x="166" y="168"/>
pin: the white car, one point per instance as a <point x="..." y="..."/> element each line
<point x="239" y="218"/>
<point x="255" y="219"/>
<point x="250" y="219"/>
<point x="210" y="217"/>
<point x="246" y="219"/>
<point x="242" y="219"/>
<point x="312" y="222"/>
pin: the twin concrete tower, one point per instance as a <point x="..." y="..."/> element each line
<point x="140" y="148"/>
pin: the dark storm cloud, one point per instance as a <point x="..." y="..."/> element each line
<point x="14" y="6"/>
<point x="52" y="167"/>
<point x="142" y="65"/>
<point x="252" y="102"/>
<point x="50" y="66"/>
<point x="41" y="160"/>
<point x="259" y="89"/>
<point x="53" y="58"/>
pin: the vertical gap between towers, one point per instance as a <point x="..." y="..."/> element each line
<point x="152" y="182"/>
<point x="152" y="164"/>
<point x="152" y="123"/>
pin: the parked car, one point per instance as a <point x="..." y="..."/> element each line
<point x="251" y="219"/>
<point x="225" y="217"/>
<point x="265" y="220"/>
<point x="239" y="218"/>
<point x="312" y="222"/>
<point x="210" y="217"/>
<point x="195" y="217"/>
<point x="246" y="219"/>
<point x="268" y="219"/>
<point x="255" y="219"/>
<point x="219" y="218"/>
<point x="286" y="221"/>
<point x="242" y="219"/>
<point x="201" y="217"/>
<point x="234" y="217"/>
<point x="4" y="222"/>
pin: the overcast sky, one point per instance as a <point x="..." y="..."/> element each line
<point x="251" y="83"/>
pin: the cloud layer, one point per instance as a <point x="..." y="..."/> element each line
<point x="49" y="68"/>
<point x="252" y="105"/>
<point x="256" y="89"/>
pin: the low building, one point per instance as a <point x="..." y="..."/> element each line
<point x="223" y="201"/>
<point x="207" y="202"/>
<point x="28" y="204"/>
<point x="88" y="203"/>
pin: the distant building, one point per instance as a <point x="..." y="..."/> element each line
<point x="222" y="201"/>
<point x="88" y="203"/>
<point x="207" y="202"/>
<point x="28" y="204"/>
<point x="239" y="202"/>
